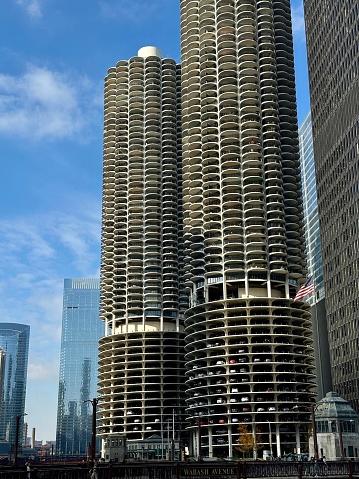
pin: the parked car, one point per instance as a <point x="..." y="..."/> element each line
<point x="296" y="457"/>
<point x="220" y="440"/>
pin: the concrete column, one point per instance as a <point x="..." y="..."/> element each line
<point x="277" y="435"/>
<point x="297" y="439"/>
<point x="230" y="447"/>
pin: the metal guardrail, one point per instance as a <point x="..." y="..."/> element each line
<point x="190" y="470"/>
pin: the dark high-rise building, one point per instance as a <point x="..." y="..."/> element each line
<point x="81" y="331"/>
<point x="333" y="57"/>
<point x="314" y="259"/>
<point x="141" y="365"/>
<point x="14" y="346"/>
<point x="248" y="344"/>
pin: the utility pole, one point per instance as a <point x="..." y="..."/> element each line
<point x="314" y="430"/>
<point x="94" y="403"/>
<point x="199" y="439"/>
<point x="17" y="430"/>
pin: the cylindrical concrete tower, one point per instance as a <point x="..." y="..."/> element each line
<point x="141" y="365"/>
<point x="249" y="346"/>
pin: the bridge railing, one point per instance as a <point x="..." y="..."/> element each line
<point x="190" y="470"/>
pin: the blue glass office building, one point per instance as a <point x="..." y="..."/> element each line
<point x="310" y="207"/>
<point x="14" y="344"/>
<point x="314" y="258"/>
<point x="81" y="330"/>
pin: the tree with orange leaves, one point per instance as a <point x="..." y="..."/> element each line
<point x="248" y="441"/>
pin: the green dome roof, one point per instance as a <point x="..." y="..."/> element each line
<point x="334" y="407"/>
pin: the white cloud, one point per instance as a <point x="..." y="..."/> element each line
<point x="298" y="24"/>
<point x="42" y="371"/>
<point x="43" y="104"/>
<point x="34" y="247"/>
<point x="22" y="235"/>
<point x="32" y="7"/>
<point x="131" y="10"/>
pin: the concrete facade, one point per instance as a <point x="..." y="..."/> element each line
<point x="141" y="356"/>
<point x="337" y="429"/>
<point x="249" y="350"/>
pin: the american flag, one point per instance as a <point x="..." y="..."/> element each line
<point x="306" y="289"/>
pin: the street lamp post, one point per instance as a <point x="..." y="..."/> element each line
<point x="270" y="440"/>
<point x="168" y="454"/>
<point x="314" y="428"/>
<point x="315" y="437"/>
<point x="17" y="430"/>
<point x="340" y="429"/>
<point x="173" y="443"/>
<point x="199" y="440"/>
<point x="162" y="438"/>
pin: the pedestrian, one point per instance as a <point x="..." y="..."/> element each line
<point x="93" y="471"/>
<point x="28" y="470"/>
<point x="325" y="462"/>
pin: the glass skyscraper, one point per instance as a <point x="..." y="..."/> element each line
<point x="81" y="330"/>
<point x="314" y="258"/>
<point x="310" y="207"/>
<point x="14" y="346"/>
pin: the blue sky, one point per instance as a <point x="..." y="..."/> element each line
<point x="53" y="58"/>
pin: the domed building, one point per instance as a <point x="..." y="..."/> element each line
<point x="336" y="429"/>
